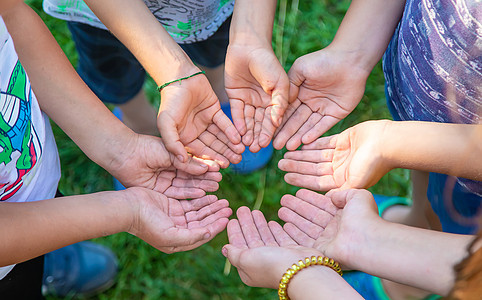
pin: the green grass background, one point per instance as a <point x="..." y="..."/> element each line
<point x="146" y="273"/>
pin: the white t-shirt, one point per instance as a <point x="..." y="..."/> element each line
<point x="187" y="21"/>
<point x="29" y="161"/>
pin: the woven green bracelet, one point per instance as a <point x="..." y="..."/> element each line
<point x="159" y="88"/>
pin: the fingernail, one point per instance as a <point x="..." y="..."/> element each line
<point x="180" y="158"/>
<point x="207" y="235"/>
<point x="224" y="251"/>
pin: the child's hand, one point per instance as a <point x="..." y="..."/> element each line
<point x="351" y="159"/>
<point x="257" y="87"/>
<point x="325" y="87"/>
<point x="260" y="251"/>
<point x="145" y="162"/>
<point x="190" y="118"/>
<point x="171" y="225"/>
<point x="333" y="224"/>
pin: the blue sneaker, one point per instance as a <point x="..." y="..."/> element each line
<point x="250" y="161"/>
<point x="83" y="268"/>
<point x="117" y="185"/>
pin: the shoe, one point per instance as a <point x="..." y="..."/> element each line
<point x="117" y="185"/>
<point x="250" y="161"/>
<point x="83" y="269"/>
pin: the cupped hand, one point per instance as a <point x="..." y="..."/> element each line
<point x="260" y="251"/>
<point x="190" y="117"/>
<point x="325" y="87"/>
<point x="334" y="223"/>
<point x="351" y="159"/>
<point x="177" y="225"/>
<point x="258" y="88"/>
<point x="143" y="161"/>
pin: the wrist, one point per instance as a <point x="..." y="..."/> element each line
<point x="359" y="60"/>
<point x="390" y="144"/>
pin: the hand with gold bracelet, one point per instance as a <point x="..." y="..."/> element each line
<point x="262" y="252"/>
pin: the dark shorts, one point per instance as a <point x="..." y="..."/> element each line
<point x="115" y="75"/>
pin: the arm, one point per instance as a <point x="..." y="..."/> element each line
<point x="352" y="233"/>
<point x="256" y="83"/>
<point x="359" y="156"/>
<point x="453" y="149"/>
<point x="328" y="84"/>
<point x="262" y="252"/>
<point x="167" y="224"/>
<point x="188" y="111"/>
<point x="134" y="159"/>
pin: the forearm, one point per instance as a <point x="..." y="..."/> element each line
<point x="320" y="282"/>
<point x="366" y="30"/>
<point x="60" y="91"/>
<point x="252" y="23"/>
<point x="138" y="29"/>
<point x="413" y="256"/>
<point x="453" y="149"/>
<point x="31" y="229"/>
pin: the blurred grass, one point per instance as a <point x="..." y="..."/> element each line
<point x="146" y="273"/>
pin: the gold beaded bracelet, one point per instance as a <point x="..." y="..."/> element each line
<point x="295" y="268"/>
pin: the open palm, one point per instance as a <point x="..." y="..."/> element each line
<point x="178" y="225"/>
<point x="257" y="87"/>
<point x="351" y="159"/>
<point x="190" y="117"/>
<point x="325" y="88"/>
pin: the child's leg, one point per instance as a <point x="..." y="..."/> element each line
<point x="139" y="115"/>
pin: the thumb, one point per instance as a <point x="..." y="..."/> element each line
<point x="168" y="130"/>
<point x="232" y="253"/>
<point x="279" y="101"/>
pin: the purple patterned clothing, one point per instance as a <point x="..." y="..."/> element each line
<point x="433" y="72"/>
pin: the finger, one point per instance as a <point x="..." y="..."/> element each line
<point x="267" y="129"/>
<point x="199" y="149"/>
<point x="282" y="238"/>
<point x="249" y="112"/>
<point x="195" y="165"/>
<point x="250" y="232"/>
<point x="318" y="129"/>
<point x="170" y="136"/>
<point x="206" y="211"/>
<point x="198" y="203"/>
<point x="315" y="156"/>
<point x="210" y="176"/>
<point x="264" y="231"/>
<point x="192" y="183"/>
<point x="306" y="168"/>
<point x="279" y="142"/>
<point x="295" y="141"/>
<point x="327" y="142"/>
<point x="298" y="236"/>
<point x="210" y="219"/>
<point x="292" y="125"/>
<point x="218" y="134"/>
<point x="258" y="124"/>
<point x="219" y="147"/>
<point x="309" y="228"/>
<point x="318" y="200"/>
<point x="237" y="113"/>
<point x="308" y="217"/>
<point x="317" y="183"/>
<point x="182" y="193"/>
<point x="279" y="101"/>
<point x="235" y="235"/>
<point x="223" y="122"/>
